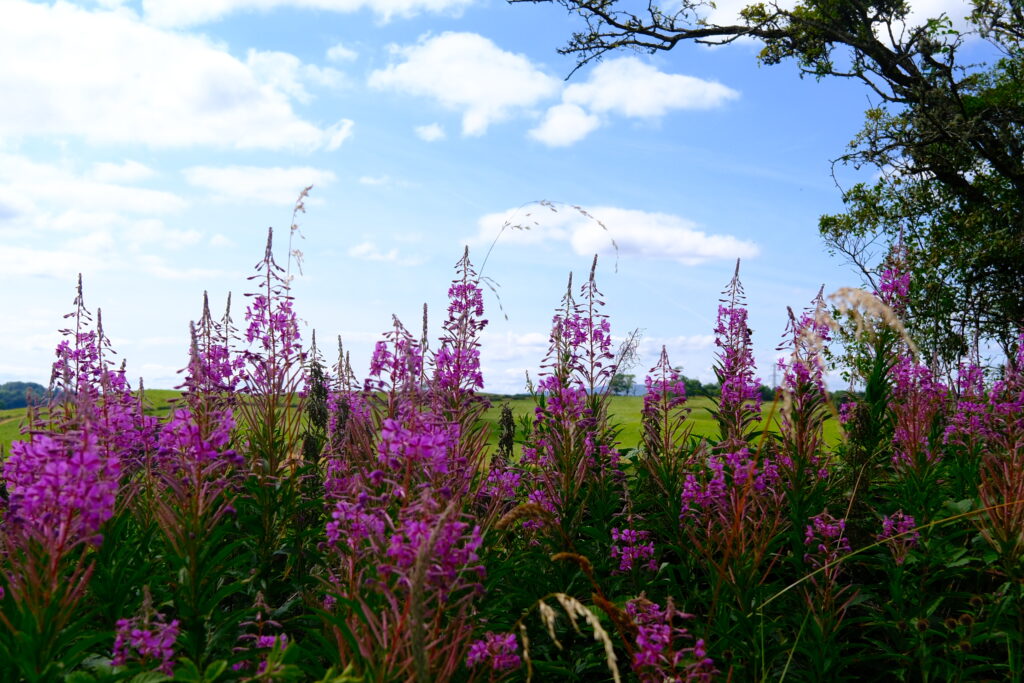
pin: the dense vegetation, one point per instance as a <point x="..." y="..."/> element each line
<point x="286" y="521"/>
<point x="19" y="394"/>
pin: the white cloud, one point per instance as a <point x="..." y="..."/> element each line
<point x="153" y="233"/>
<point x="25" y="183"/>
<point x="468" y="73"/>
<point x="677" y="347"/>
<point x="158" y="267"/>
<point x="219" y="240"/>
<point x="338" y="134"/>
<point x="16" y="261"/>
<point x="368" y="251"/>
<point x="191" y="12"/>
<point x="341" y="53"/>
<point x="641" y="234"/>
<point x="525" y="347"/>
<point x="374" y="180"/>
<point x="273" y="185"/>
<point x="565" y="124"/>
<point x="66" y="74"/>
<point x="286" y="72"/>
<point x="629" y="87"/>
<point x="127" y="171"/>
<point x="430" y="132"/>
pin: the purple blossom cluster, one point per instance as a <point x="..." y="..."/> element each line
<point x="665" y="391"/>
<point x="899" y="530"/>
<point x="662" y="653"/>
<point x="184" y="442"/>
<point x="826" y="541"/>
<point x="396" y="363"/>
<point x="918" y="401"/>
<point x="664" y="410"/>
<point x="451" y="546"/>
<point x="255" y="641"/>
<point x="213" y="369"/>
<point x="739" y="404"/>
<point x="497" y="651"/>
<point x="633" y="549"/>
<point x="988" y="419"/>
<point x="894" y="283"/>
<point x="423" y="443"/>
<point x="723" y="476"/>
<point x="146" y="641"/>
<point x="807" y="337"/>
<point x="61" y="488"/>
<point x="457" y="362"/>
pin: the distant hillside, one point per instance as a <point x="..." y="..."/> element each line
<point x="13" y="394"/>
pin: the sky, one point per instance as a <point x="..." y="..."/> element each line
<point x="149" y="145"/>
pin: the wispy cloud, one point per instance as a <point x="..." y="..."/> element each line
<point x="265" y="185"/>
<point x="369" y="251"/>
<point x="431" y="132"/>
<point x="641" y="234"/>
<point x="25" y="183"/>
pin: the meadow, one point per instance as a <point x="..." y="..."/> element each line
<point x="625" y="412"/>
<point x="280" y="517"/>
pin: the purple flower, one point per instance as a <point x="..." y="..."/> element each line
<point x="457" y="362"/>
<point x="739" y="403"/>
<point x="632" y="548"/>
<point x="825" y="540"/>
<point x="499" y="651"/>
<point x="146" y="641"/>
<point x="61" y="488"/>
<point x="918" y="401"/>
<point x="182" y="442"/>
<point x="898" y="530"/>
<point x="661" y="652"/>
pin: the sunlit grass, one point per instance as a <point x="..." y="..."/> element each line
<point x="624" y="410"/>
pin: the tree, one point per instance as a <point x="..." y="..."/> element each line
<point x="20" y="394"/>
<point x="621" y="384"/>
<point x="948" y="138"/>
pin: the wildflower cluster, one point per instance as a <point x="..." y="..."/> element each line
<point x="662" y="649"/>
<point x="497" y="651"/>
<point x="900" y="531"/>
<point x="147" y="639"/>
<point x="739" y="406"/>
<point x="61" y="489"/>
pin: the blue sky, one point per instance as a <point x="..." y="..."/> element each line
<point x="149" y="144"/>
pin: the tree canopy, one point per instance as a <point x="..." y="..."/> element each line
<point x="947" y="138"/>
<point x="17" y="394"/>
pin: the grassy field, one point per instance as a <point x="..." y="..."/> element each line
<point x="158" y="402"/>
<point x="625" y="411"/>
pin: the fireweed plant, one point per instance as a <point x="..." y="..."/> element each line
<point x="291" y="521"/>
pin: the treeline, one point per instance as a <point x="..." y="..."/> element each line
<point x="19" y="394"/>
<point x="625" y="385"/>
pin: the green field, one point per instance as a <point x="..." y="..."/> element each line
<point x="12" y="421"/>
<point x="625" y="411"/>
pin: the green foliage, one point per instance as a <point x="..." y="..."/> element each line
<point x="621" y="384"/>
<point x="21" y="394"/>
